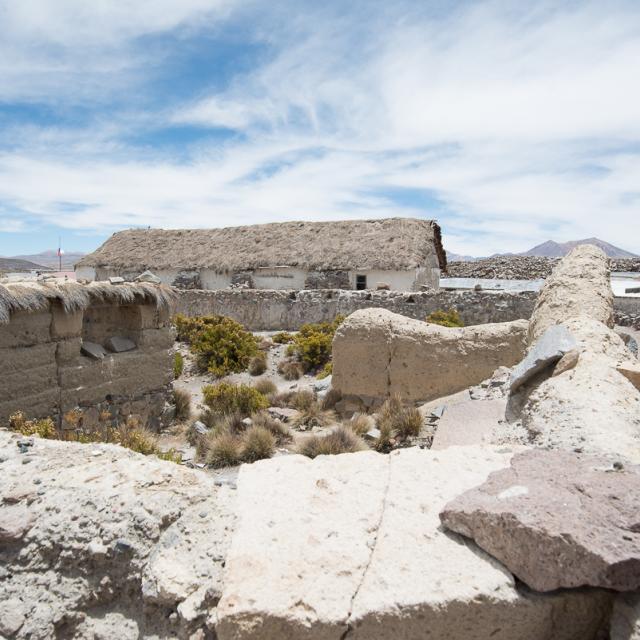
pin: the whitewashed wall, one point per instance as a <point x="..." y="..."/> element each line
<point x="212" y="280"/>
<point x="279" y="278"/>
<point x="399" y="280"/>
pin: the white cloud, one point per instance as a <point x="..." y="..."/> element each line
<point x="524" y="123"/>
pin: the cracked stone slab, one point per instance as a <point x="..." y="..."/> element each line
<point x="119" y="344"/>
<point x="557" y="519"/>
<point x="351" y="546"/>
<point x="554" y="343"/>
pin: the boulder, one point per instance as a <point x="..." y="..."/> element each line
<point x="93" y="350"/>
<point x="118" y="344"/>
<point x="578" y="286"/>
<point x="377" y="353"/>
<point x="554" y="343"/>
<point x="557" y="519"/>
<point x="350" y="546"/>
<point x="113" y="544"/>
<point x="148" y="276"/>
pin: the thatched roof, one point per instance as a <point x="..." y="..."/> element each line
<point x="36" y="296"/>
<point x="390" y="244"/>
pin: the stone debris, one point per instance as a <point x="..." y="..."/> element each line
<point x="356" y="550"/>
<point x="200" y="428"/>
<point x="148" y="276"/>
<point x="116" y="280"/>
<point x="372" y="434"/>
<point x="631" y="371"/>
<point x="554" y="343"/>
<point x="93" y="350"/>
<point x="557" y="519"/>
<point x="118" y="344"/>
<point x="568" y="361"/>
<point x="284" y="414"/>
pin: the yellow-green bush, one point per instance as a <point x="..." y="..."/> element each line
<point x="222" y="345"/>
<point x="44" y="428"/>
<point x="225" y="398"/>
<point x="326" y="371"/>
<point x="282" y="337"/>
<point x="449" y="318"/>
<point x="312" y="344"/>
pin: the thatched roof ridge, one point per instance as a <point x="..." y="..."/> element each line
<point x="387" y="244"/>
<point x="73" y="296"/>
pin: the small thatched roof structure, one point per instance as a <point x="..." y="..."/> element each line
<point x="388" y="244"/>
<point x="36" y="296"/>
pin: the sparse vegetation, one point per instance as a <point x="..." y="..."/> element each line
<point x="265" y="387"/>
<point x="225" y="398"/>
<point x="222" y="345"/>
<point x="282" y="337"/>
<point x="312" y="345"/>
<point x="360" y="423"/>
<point x="290" y="369"/>
<point x="340" y="440"/>
<point x="326" y="371"/>
<point x="182" y="401"/>
<point x="222" y="449"/>
<point x="278" y="430"/>
<point x="257" y="443"/>
<point x="301" y="400"/>
<point x="129" y="435"/>
<point x="449" y="318"/>
<point x="399" y="421"/>
<point x="258" y="364"/>
<point x="178" y="364"/>
<point x="331" y="398"/>
<point x="313" y="415"/>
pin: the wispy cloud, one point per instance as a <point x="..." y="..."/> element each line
<point x="521" y="122"/>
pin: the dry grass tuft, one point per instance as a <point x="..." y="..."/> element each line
<point x="265" y="387"/>
<point x="402" y="422"/>
<point x="331" y="399"/>
<point x="290" y="369"/>
<point x="278" y="429"/>
<point x="313" y="415"/>
<point x="182" y="400"/>
<point x="360" y="423"/>
<point x="258" y="443"/>
<point x="340" y="440"/>
<point x="258" y="364"/>
<point x="222" y="449"/>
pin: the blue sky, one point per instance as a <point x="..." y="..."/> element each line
<point x="509" y="122"/>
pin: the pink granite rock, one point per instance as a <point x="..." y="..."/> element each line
<point x="557" y="519"/>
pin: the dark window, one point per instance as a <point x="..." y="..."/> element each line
<point x="361" y="283"/>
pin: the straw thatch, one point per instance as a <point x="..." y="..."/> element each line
<point x="390" y="244"/>
<point x="36" y="296"/>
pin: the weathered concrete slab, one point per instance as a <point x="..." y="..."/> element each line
<point x="93" y="350"/>
<point x="118" y="344"/>
<point x="356" y="550"/>
<point x="548" y="349"/>
<point x="557" y="519"/>
<point x="470" y="422"/>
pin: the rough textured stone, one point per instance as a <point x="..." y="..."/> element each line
<point x="118" y="542"/>
<point x="625" y="620"/>
<point x="148" y="276"/>
<point x="93" y="350"/>
<point x="118" y="344"/>
<point x="578" y="286"/>
<point x="355" y="550"/>
<point x="557" y="519"/>
<point x="568" y="361"/>
<point x="377" y="353"/>
<point x="631" y="371"/>
<point x="554" y="343"/>
<point x="285" y="414"/>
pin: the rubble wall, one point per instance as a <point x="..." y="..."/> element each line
<point x="45" y="374"/>
<point x="377" y="353"/>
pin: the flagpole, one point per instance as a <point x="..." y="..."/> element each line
<point x="59" y="253"/>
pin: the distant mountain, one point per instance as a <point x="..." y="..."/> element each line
<point x="18" y="264"/>
<point x="50" y="259"/>
<point x="456" y="257"/>
<point x="551" y="249"/>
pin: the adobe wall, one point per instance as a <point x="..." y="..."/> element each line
<point x="44" y="373"/>
<point x="288" y="310"/>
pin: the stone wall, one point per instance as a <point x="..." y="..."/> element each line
<point x="287" y="310"/>
<point x="45" y="374"/>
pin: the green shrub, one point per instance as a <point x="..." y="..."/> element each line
<point x="44" y="428"/>
<point x="265" y="387"/>
<point x="326" y="371"/>
<point x="225" y="398"/>
<point x="340" y="440"/>
<point x="258" y="364"/>
<point x="449" y="318"/>
<point x="178" y="365"/>
<point x="182" y="400"/>
<point x="282" y="337"/>
<point x="257" y="443"/>
<point x="312" y="344"/>
<point x="222" y="345"/>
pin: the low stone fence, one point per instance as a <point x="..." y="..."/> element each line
<point x="267" y="310"/>
<point x="270" y="310"/>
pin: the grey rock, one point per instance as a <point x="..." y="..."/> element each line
<point x="116" y="280"/>
<point x="200" y="428"/>
<point x="556" y="520"/>
<point x="148" y="276"/>
<point x="93" y="350"/>
<point x="625" y="619"/>
<point x="322" y="385"/>
<point x="549" y="348"/>
<point x="247" y="422"/>
<point x="372" y="434"/>
<point x="118" y="344"/>
<point x="437" y="412"/>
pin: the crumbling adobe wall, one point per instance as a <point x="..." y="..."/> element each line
<point x="44" y="373"/>
<point x="377" y="353"/>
